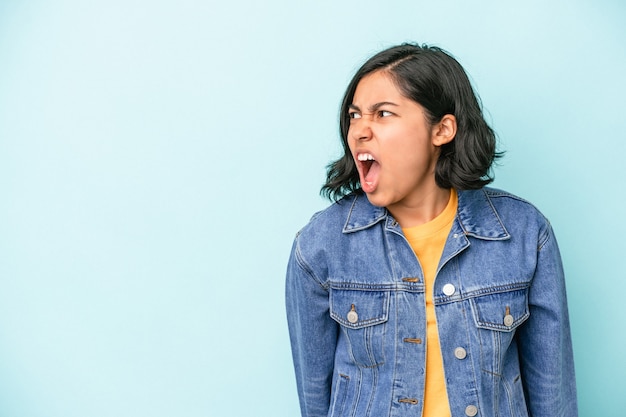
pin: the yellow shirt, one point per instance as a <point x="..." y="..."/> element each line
<point x="428" y="241"/>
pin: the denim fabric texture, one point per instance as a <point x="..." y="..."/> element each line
<point x="356" y="313"/>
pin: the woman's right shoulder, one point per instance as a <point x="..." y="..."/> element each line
<point x="328" y="222"/>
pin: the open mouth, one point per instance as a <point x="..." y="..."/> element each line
<point x="366" y="161"/>
<point x="369" y="170"/>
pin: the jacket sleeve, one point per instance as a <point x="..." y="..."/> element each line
<point x="546" y="355"/>
<point x="313" y="335"/>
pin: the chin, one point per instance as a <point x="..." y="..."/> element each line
<point x="377" y="200"/>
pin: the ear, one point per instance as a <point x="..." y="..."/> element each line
<point x="444" y="131"/>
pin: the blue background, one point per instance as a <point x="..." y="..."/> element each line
<point x="157" y="158"/>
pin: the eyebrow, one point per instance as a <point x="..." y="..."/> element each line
<point x="374" y="107"/>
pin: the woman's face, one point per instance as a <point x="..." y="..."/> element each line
<point x="392" y="144"/>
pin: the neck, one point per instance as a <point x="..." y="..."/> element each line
<point x="422" y="209"/>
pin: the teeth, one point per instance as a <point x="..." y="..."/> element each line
<point x="365" y="157"/>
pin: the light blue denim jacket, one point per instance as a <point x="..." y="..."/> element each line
<point x="356" y="313"/>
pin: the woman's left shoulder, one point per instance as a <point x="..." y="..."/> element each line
<point x="513" y="208"/>
<point x="506" y="197"/>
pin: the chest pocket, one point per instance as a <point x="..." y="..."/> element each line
<point x="496" y="316"/>
<point x="363" y="316"/>
<point x="503" y="311"/>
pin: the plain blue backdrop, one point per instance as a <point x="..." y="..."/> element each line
<point x="157" y="158"/>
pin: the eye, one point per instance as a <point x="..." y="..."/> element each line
<point x="384" y="113"/>
<point x="354" y="115"/>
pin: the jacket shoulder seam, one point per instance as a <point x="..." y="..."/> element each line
<point x="303" y="264"/>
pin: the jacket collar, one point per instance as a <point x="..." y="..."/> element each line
<point x="476" y="215"/>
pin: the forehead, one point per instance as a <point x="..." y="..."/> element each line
<point x="375" y="87"/>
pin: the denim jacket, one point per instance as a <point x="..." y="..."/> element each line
<point x="356" y="313"/>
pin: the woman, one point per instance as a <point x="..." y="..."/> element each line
<point x="420" y="292"/>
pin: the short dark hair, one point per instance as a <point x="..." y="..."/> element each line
<point x="431" y="77"/>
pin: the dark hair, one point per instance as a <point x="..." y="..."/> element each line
<point x="432" y="78"/>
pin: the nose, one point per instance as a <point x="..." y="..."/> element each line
<point x="360" y="129"/>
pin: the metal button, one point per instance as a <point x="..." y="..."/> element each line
<point x="508" y="320"/>
<point x="471" y="410"/>
<point x="460" y="353"/>
<point x="353" y="317"/>
<point x="449" y="289"/>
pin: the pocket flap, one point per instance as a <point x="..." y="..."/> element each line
<point x="502" y="311"/>
<point x="356" y="309"/>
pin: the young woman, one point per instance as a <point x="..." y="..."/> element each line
<point x="420" y="292"/>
